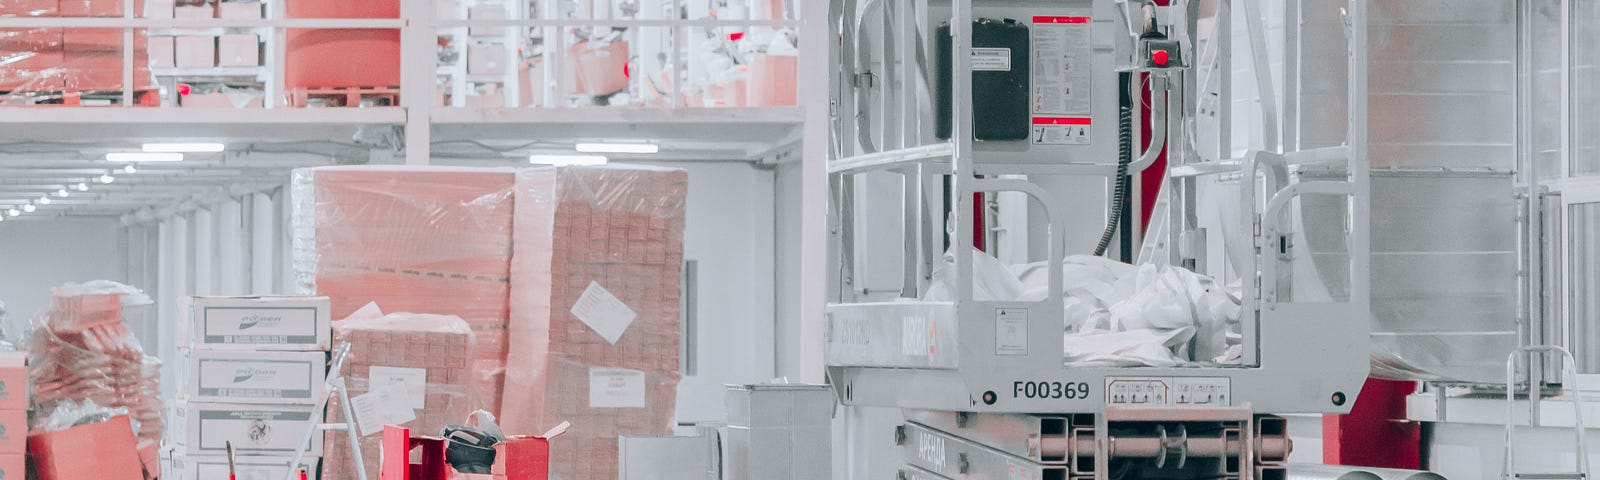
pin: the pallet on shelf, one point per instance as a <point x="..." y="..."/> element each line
<point x="345" y="97"/>
<point x="75" y="98"/>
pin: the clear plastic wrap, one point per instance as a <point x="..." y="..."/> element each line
<point x="81" y="352"/>
<point x="69" y="66"/>
<point x="422" y="240"/>
<point x="596" y="248"/>
<point x="434" y="346"/>
<point x="523" y="251"/>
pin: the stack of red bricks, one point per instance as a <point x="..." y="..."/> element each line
<point x="435" y="344"/>
<point x="83" y="352"/>
<point x="70" y="60"/>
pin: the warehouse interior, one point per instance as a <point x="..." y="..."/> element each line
<point x="799" y="239"/>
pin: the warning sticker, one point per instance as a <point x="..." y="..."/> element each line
<point x="1062" y="131"/>
<point x="991" y="59"/>
<point x="1062" y="66"/>
<point x="1011" y="331"/>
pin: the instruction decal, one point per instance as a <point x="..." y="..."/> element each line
<point x="990" y="59"/>
<point x="1011" y="331"/>
<point x="1063" y="87"/>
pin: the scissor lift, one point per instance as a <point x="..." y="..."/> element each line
<point x="983" y="404"/>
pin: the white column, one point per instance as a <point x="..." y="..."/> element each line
<point x="263" y="238"/>
<point x="230" y="249"/>
<point x="814" y="69"/>
<point x="166" y="305"/>
<point x="418" y="76"/>
<point x="205" y="259"/>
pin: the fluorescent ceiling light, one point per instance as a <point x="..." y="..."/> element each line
<point x="29" y="208"/>
<point x="107" y="178"/>
<point x="183" y="147"/>
<point x="13" y="212"/>
<point x="618" y="147"/>
<point x="63" y="193"/>
<point x="123" y="157"/>
<point x="129" y="169"/>
<point x="565" y="160"/>
<point x="44" y="200"/>
<point x="83" y="187"/>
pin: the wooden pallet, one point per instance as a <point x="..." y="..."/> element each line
<point x="345" y="97"/>
<point x="141" y="98"/>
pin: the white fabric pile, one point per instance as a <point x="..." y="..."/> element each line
<point x="1117" y="315"/>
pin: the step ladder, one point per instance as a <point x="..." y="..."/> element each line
<point x="334" y="385"/>
<point x="1571" y="375"/>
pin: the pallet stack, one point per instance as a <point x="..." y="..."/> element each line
<point x="253" y="372"/>
<point x="79" y="66"/>
<point x="568" y="278"/>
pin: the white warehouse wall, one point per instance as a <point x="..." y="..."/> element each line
<point x="38" y="255"/>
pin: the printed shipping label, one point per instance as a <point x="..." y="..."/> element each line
<point x="413" y="381"/>
<point x="386" y="405"/>
<point x="603" y="312"/>
<point x="616" y="388"/>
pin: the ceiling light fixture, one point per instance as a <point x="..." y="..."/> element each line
<point x="107" y="178"/>
<point x="13" y="212"/>
<point x="44" y="200"/>
<point x="129" y="169"/>
<point x="205" y="147"/>
<point x="63" y="193"/>
<point x="83" y="187"/>
<point x="29" y="208"/>
<point x="618" y="148"/>
<point x="125" y="157"/>
<point x="567" y="160"/>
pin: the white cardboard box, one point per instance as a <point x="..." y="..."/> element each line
<point x="487" y="12"/>
<point x="256" y="377"/>
<point x="486" y="59"/>
<point x="255" y="430"/>
<point x="196" y="51"/>
<point x="193" y="12"/>
<point x="212" y="467"/>
<point x="239" y="10"/>
<point x="162" y="52"/>
<point x="238" y="50"/>
<point x="259" y="323"/>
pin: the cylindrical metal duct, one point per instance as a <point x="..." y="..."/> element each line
<point x="1343" y="472"/>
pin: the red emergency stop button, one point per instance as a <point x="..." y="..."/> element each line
<point x="1159" y="57"/>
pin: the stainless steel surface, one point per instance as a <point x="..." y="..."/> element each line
<point x="956" y="457"/>
<point x="779" y="432"/>
<point x="1345" y="472"/>
<point x="1443" y="122"/>
<point x="668" y="458"/>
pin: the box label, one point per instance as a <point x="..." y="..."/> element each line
<point x="603" y="312"/>
<point x="284" y="379"/>
<point x="413" y="382"/>
<point x="385" y="405"/>
<point x="1011" y="331"/>
<point x="989" y="59"/>
<point x="251" y="429"/>
<point x="616" y="388"/>
<point x="259" y="325"/>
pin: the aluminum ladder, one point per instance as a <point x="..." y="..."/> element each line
<point x="1570" y="372"/>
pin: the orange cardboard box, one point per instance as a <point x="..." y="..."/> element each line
<point x="14" y="466"/>
<point x="13" y="432"/>
<point x="102" y="451"/>
<point x="13" y="381"/>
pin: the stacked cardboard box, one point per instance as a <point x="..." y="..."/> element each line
<point x="13" y="414"/>
<point x="253" y="371"/>
<point x="426" y="355"/>
<point x="581" y="266"/>
<point x="69" y="60"/>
